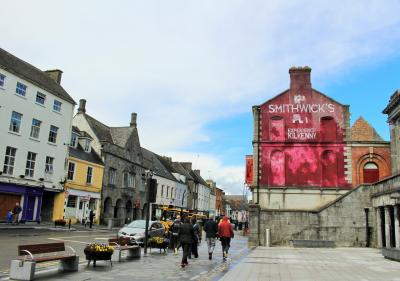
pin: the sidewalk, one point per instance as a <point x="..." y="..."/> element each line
<point x="50" y="226"/>
<point x="304" y="264"/>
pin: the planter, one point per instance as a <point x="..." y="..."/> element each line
<point x="98" y="252"/>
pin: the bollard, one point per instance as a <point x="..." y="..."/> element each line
<point x="267" y="237"/>
<point x="69" y="224"/>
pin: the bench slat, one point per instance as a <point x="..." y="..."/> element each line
<point x="41" y="248"/>
<point x="122" y="241"/>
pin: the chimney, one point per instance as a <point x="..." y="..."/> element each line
<point x="300" y="78"/>
<point x="187" y="165"/>
<point x="168" y="159"/>
<point x="133" y="120"/>
<point x="197" y="172"/>
<point x="82" y="106"/>
<point x="55" y="74"/>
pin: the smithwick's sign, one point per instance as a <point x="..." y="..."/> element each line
<point x="300" y="106"/>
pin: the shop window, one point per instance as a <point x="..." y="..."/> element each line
<point x="370" y="172"/>
<point x="71" y="203"/>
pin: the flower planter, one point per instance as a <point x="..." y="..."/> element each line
<point x="98" y="255"/>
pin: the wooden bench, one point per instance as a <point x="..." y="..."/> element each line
<point x="124" y="244"/>
<point x="23" y="268"/>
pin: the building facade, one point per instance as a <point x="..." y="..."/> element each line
<point x="37" y="115"/>
<point x="84" y="175"/>
<point x="124" y="184"/>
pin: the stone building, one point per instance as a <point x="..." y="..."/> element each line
<point x="123" y="191"/>
<point x="312" y="173"/>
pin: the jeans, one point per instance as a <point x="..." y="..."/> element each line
<point x="186" y="249"/>
<point x="226" y="243"/>
<point x="210" y="244"/>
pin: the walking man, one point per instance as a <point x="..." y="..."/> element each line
<point x="211" y="229"/>
<point x="186" y="238"/>
<point x="196" y="240"/>
<point x="17" y="209"/>
<point x="225" y="231"/>
<point x="91" y="218"/>
<point x="175" y="234"/>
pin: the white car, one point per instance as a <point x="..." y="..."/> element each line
<point x="136" y="229"/>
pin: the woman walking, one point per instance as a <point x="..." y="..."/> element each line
<point x="186" y="238"/>
<point x="225" y="231"/>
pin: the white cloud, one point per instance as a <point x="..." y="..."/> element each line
<point x="182" y="64"/>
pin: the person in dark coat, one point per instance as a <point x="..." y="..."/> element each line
<point x="175" y="234"/>
<point x="17" y="209"/>
<point x="196" y="229"/>
<point x="211" y="229"/>
<point x="186" y="238"/>
<point x="91" y="217"/>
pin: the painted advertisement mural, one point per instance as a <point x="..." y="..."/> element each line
<point x="302" y="139"/>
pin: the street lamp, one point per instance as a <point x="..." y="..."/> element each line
<point x="183" y="198"/>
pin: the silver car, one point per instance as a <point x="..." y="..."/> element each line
<point x="135" y="231"/>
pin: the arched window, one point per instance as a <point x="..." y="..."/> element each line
<point x="277" y="129"/>
<point x="328" y="129"/>
<point x="277" y="175"/>
<point x="370" y="172"/>
<point x="329" y="168"/>
<point x="108" y="208"/>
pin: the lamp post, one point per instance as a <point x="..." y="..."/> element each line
<point x="149" y="175"/>
<point x="183" y="198"/>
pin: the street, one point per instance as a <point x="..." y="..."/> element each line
<point x="154" y="266"/>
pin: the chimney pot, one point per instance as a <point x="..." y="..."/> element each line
<point x="55" y="74"/>
<point x="82" y="106"/>
<point x="133" y="120"/>
<point x="300" y="78"/>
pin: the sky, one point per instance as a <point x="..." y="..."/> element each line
<point x="192" y="70"/>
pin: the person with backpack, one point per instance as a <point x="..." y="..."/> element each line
<point x="211" y="229"/>
<point x="175" y="234"/>
<point x="225" y="232"/>
<point x="186" y="238"/>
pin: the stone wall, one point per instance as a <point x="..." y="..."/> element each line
<point x="343" y="221"/>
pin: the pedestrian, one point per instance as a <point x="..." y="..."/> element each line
<point x="186" y="238"/>
<point x="9" y="216"/>
<point x="211" y="229"/>
<point x="17" y="209"/>
<point x="225" y="231"/>
<point x="91" y="218"/>
<point x="196" y="230"/>
<point x="175" y="234"/>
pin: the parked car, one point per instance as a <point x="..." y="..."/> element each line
<point x="136" y="229"/>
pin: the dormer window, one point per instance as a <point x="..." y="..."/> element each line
<point x="87" y="145"/>
<point x="74" y="140"/>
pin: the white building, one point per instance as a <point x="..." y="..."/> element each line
<point x="36" y="114"/>
<point x="203" y="193"/>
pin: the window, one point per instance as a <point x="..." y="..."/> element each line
<point x="71" y="171"/>
<point x="53" y="134"/>
<point x="30" y="164"/>
<point x="87" y="145"/>
<point x="167" y="191"/>
<point x="21" y="89"/>
<point x="40" y="98"/>
<point x="131" y="180"/>
<point x="162" y="191"/>
<point x="71" y="201"/>
<point x="2" y="79"/>
<point x="35" y="130"/>
<point x="125" y="179"/>
<point x="57" y="106"/>
<point x="89" y="175"/>
<point x="74" y="140"/>
<point x="49" y="165"/>
<point x="9" y="160"/>
<point x="15" y="123"/>
<point x="112" y="175"/>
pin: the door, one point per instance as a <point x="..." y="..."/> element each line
<point x="81" y="210"/>
<point x="30" y="208"/>
<point x="370" y="172"/>
<point x="7" y="202"/>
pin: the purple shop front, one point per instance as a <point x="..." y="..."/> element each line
<point x="29" y="197"/>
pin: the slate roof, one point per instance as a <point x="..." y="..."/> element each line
<point x="32" y="74"/>
<point x="169" y="166"/>
<point x="181" y="170"/>
<point x="196" y="177"/>
<point x="153" y="163"/>
<point x="120" y="135"/>
<point x="102" y="131"/>
<point x="79" y="153"/>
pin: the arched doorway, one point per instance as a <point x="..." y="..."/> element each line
<point x="128" y="209"/>
<point x="370" y="172"/>
<point x="108" y="208"/>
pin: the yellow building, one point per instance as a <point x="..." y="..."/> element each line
<point x="84" y="179"/>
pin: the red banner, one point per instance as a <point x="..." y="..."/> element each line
<point x="249" y="170"/>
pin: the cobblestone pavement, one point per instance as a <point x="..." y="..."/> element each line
<point x="322" y="264"/>
<point x="154" y="266"/>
